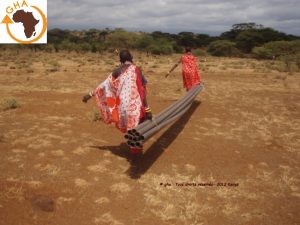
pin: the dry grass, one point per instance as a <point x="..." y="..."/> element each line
<point x="9" y="103"/>
<point x="81" y="183"/>
<point x="99" y="168"/>
<point x="13" y="192"/>
<point x="108" y="219"/>
<point x="120" y="188"/>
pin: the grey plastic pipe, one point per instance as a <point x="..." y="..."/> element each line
<point x="156" y="122"/>
<point x="166" y="113"/>
<point x="151" y="132"/>
<point x="140" y="128"/>
<point x="177" y="113"/>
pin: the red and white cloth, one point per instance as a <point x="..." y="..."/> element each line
<point x="190" y="72"/>
<point x="120" y="100"/>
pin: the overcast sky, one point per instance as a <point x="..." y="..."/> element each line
<point x="202" y="16"/>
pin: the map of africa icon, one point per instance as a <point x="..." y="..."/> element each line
<point x="28" y="21"/>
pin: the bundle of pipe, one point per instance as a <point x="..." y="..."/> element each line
<point x="136" y="137"/>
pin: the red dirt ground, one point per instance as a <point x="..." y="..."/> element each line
<point x="59" y="167"/>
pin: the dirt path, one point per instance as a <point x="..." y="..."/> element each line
<point x="58" y="167"/>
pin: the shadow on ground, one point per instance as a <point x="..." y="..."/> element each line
<point x="139" y="164"/>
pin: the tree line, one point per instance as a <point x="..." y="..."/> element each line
<point x="242" y="40"/>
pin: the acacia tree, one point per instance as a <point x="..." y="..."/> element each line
<point x="103" y="34"/>
<point x="187" y="39"/>
<point x="238" y="28"/>
<point x="247" y="26"/>
<point x="250" y="35"/>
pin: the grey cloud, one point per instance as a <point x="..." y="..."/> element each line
<point x="203" y="16"/>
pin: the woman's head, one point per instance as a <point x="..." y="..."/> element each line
<point x="125" y="56"/>
<point x="188" y="49"/>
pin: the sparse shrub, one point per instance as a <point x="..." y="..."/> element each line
<point x="23" y="64"/>
<point x="10" y="103"/>
<point x="281" y="77"/>
<point x="49" y="48"/>
<point x="85" y="47"/>
<point x="30" y="71"/>
<point x="288" y="61"/>
<point x="280" y="66"/>
<point x="271" y="65"/>
<point x="298" y="60"/>
<point x="253" y="65"/>
<point x="94" y="115"/>
<point x="4" y="64"/>
<point x="97" y="47"/>
<point x="67" y="46"/>
<point x="55" y="65"/>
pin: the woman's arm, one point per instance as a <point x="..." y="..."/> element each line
<point x="173" y="68"/>
<point x="141" y="84"/>
<point x="114" y="74"/>
<point x="88" y="96"/>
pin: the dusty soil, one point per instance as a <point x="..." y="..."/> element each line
<point x="59" y="167"/>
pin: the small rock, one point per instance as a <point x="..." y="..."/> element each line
<point x="43" y="203"/>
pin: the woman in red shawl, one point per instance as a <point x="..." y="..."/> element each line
<point x="121" y="98"/>
<point x="190" y="73"/>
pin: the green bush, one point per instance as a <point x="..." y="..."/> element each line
<point x="281" y="48"/>
<point x="178" y="48"/>
<point x="122" y="39"/>
<point x="160" y="49"/>
<point x="67" y="46"/>
<point x="97" y="47"/>
<point x="199" y="52"/>
<point x="144" y="42"/>
<point x="262" y="53"/>
<point x="161" y="46"/>
<point x="85" y="47"/>
<point x="286" y="51"/>
<point x="222" y="48"/>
